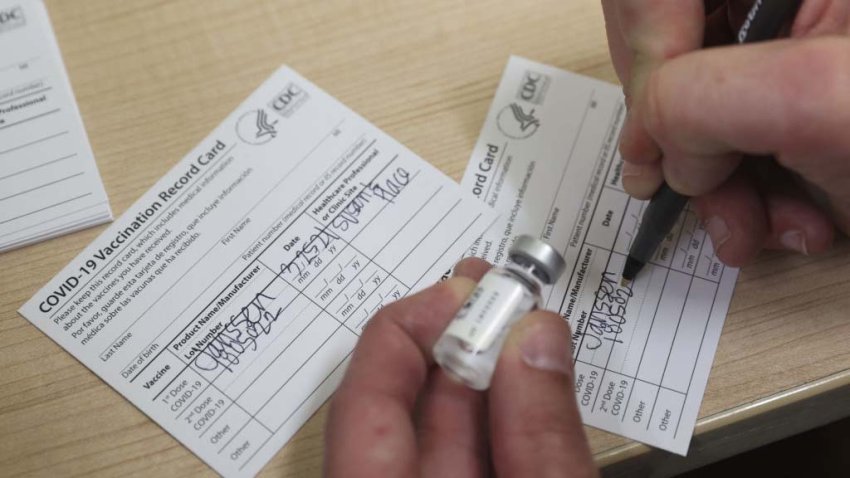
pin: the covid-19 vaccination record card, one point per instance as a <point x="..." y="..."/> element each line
<point x="225" y="302"/>
<point x="547" y="160"/>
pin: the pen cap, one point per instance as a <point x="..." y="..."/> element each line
<point x="546" y="262"/>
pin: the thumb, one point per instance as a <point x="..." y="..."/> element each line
<point x="535" y="425"/>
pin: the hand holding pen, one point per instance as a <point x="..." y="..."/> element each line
<point x="703" y="121"/>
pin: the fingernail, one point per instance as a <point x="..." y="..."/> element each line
<point x="718" y="231"/>
<point x="631" y="170"/>
<point x="544" y="350"/>
<point x="795" y="241"/>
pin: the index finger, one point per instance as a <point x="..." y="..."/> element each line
<point x="370" y="431"/>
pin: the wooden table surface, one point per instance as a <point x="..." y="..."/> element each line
<point x="153" y="77"/>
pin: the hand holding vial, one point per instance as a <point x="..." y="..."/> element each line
<point x="396" y="413"/>
<point x="470" y="346"/>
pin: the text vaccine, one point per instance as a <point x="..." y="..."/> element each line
<point x="469" y="347"/>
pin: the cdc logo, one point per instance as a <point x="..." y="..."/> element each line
<point x="533" y="87"/>
<point x="255" y="128"/>
<point x="289" y="100"/>
<point x="516" y="123"/>
<point x="12" y="18"/>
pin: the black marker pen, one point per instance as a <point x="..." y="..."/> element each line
<point x="764" y="22"/>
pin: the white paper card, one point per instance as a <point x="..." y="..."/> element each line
<point x="226" y="301"/>
<point x="49" y="183"/>
<point x="547" y="160"/>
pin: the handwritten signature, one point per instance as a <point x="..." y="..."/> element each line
<point x="239" y="335"/>
<point x="609" y="312"/>
<point x="386" y="190"/>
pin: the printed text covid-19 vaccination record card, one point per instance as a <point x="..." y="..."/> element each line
<point x="225" y="302"/>
<point x="547" y="160"/>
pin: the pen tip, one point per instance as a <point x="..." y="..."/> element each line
<point x="630" y="271"/>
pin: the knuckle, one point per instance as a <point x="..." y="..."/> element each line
<point x="452" y="292"/>
<point x="655" y="108"/>
<point x="696" y="175"/>
<point x="680" y="178"/>
<point x="547" y="323"/>
<point x="554" y="323"/>
<point x="541" y="431"/>
<point x="386" y="315"/>
<point x="685" y="183"/>
<point x="385" y="319"/>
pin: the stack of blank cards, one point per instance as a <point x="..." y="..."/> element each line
<point x="49" y="183"/>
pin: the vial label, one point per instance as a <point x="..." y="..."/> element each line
<point x="490" y="308"/>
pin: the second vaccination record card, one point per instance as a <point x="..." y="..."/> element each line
<point x="547" y="160"/>
<point x="226" y="301"/>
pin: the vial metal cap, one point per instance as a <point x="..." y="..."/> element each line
<point x="547" y="261"/>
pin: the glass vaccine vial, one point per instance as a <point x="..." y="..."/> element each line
<point x="469" y="347"/>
